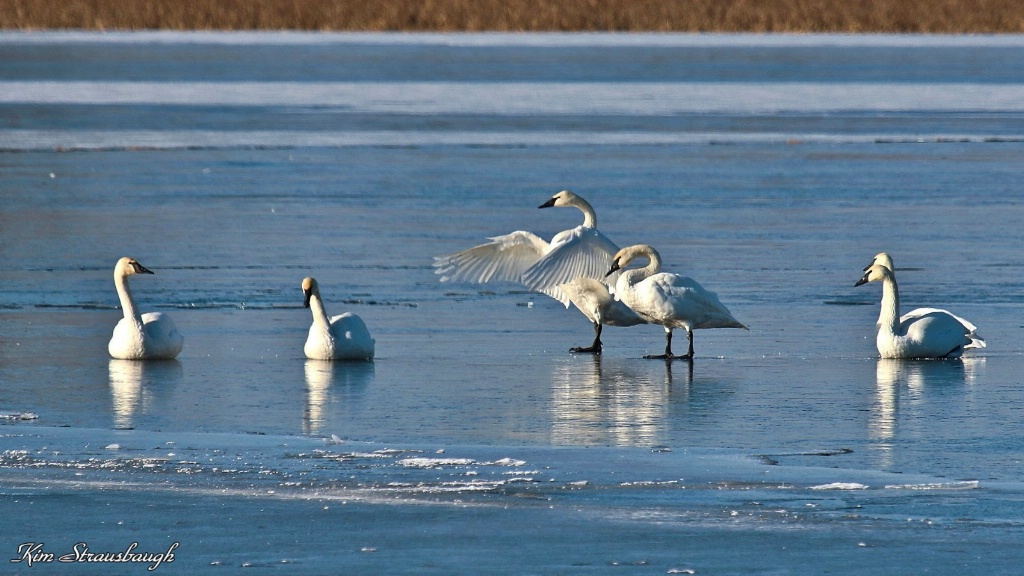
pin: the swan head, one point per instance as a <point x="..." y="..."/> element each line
<point x="874" y="273"/>
<point x="629" y="253"/>
<point x="561" y="200"/>
<point x="566" y="199"/>
<point x="309" y="289"/>
<point x="127" y="266"/>
<point x="882" y="259"/>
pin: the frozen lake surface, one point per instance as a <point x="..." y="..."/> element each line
<point x="769" y="168"/>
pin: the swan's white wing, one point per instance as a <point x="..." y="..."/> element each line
<point x="162" y="338"/>
<point x="351" y="337"/>
<point x="159" y="325"/>
<point x="970" y="329"/>
<point x="504" y="258"/>
<point x="919" y="312"/>
<point x="581" y="252"/>
<point x="683" y="300"/>
<point x="933" y="335"/>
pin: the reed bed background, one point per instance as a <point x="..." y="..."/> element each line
<point x="851" y="16"/>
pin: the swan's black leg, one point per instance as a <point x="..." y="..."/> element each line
<point x="668" y="355"/>
<point x="594" y="348"/>
<point x="668" y="348"/>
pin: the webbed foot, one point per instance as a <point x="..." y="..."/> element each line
<point x="668" y="357"/>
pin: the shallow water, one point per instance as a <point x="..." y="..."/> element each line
<point x="771" y="169"/>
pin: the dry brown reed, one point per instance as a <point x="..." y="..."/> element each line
<point x="895" y="16"/>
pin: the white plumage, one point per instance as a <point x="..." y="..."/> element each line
<point x="883" y="259"/>
<point x="150" y="336"/>
<point x="924" y="333"/>
<point x="342" y="337"/>
<point x="671" y="300"/>
<point x="553" y="268"/>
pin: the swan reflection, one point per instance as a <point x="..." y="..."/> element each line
<point x="619" y="403"/>
<point x="330" y="382"/>
<point x="902" y="385"/>
<point x="133" y="386"/>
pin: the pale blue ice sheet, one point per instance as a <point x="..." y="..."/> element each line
<point x="306" y="505"/>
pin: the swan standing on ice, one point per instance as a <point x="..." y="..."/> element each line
<point x="558" y="268"/>
<point x="343" y="337"/>
<point x="932" y="334"/>
<point x="671" y="300"/>
<point x="883" y="259"/>
<point x="150" y="336"/>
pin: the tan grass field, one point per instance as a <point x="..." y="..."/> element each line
<point x="851" y="16"/>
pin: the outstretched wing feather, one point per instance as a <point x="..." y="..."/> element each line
<point x="504" y="258"/>
<point x="578" y="253"/>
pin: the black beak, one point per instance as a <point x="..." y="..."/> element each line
<point x="863" y="280"/>
<point x="547" y="204"/>
<point x="614" y="268"/>
<point x="305" y="298"/>
<point x="140" y="269"/>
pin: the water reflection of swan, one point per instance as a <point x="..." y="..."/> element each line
<point x="608" y="402"/>
<point x="328" y="382"/>
<point x="132" y="387"/>
<point x="905" y="382"/>
<point x="679" y="391"/>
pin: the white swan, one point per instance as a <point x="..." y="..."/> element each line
<point x="549" y="267"/>
<point x="935" y="334"/>
<point x="150" y="336"/>
<point x="671" y="300"/>
<point x="883" y="259"/>
<point x="343" y="337"/>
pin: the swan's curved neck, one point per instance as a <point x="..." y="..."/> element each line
<point x="589" y="216"/>
<point x="127" y="302"/>
<point x="319" y="312"/>
<point x="889" y="316"/>
<point x="653" y="267"/>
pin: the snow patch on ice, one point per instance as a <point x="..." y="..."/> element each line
<point x="840" y="486"/>
<point x="507" y="462"/>
<point x="435" y="462"/>
<point x="642" y="483"/>
<point x="424" y="462"/>
<point x="16" y="416"/>
<point x="964" y="485"/>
